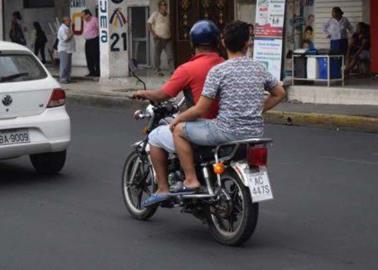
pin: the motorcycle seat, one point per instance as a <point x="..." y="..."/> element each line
<point x="235" y="150"/>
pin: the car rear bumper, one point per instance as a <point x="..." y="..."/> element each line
<point x="49" y="132"/>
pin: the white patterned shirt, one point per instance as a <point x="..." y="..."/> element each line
<point x="338" y="29"/>
<point x="239" y="84"/>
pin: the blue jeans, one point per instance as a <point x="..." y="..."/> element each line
<point x="339" y="46"/>
<point x="206" y="132"/>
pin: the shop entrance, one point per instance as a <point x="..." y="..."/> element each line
<point x="139" y="47"/>
<point x="185" y="13"/>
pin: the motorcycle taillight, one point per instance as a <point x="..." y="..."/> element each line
<point x="257" y="156"/>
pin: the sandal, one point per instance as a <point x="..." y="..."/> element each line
<point x="154" y="199"/>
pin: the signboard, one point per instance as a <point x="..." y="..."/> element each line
<point x="270" y="19"/>
<point x="269" y="53"/>
<point x="113" y="38"/>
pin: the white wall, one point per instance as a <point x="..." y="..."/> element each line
<point x="42" y="15"/>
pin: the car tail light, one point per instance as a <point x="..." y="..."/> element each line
<point x="58" y="98"/>
<point x="257" y="156"/>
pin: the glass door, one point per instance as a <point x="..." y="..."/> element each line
<point x="139" y="36"/>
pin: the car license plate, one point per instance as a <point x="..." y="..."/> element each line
<point x="259" y="185"/>
<point x="14" y="137"/>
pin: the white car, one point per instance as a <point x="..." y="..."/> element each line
<point x="33" y="117"/>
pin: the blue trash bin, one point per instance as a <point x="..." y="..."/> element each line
<point x="335" y="68"/>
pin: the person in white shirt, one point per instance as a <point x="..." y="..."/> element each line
<point x="66" y="47"/>
<point x="337" y="29"/>
<point x="159" y="26"/>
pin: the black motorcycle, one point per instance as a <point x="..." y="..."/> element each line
<point x="233" y="176"/>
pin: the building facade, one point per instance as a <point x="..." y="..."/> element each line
<point x="124" y="34"/>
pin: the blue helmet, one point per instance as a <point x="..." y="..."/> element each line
<point x="204" y="32"/>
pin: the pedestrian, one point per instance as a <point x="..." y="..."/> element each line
<point x="66" y="47"/>
<point x="359" y="47"/>
<point x="92" y="43"/>
<point x="16" y="33"/>
<point x="40" y="41"/>
<point x="251" y="29"/>
<point x="160" y="28"/>
<point x="336" y="30"/>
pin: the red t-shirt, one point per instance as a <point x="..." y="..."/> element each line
<point x="193" y="75"/>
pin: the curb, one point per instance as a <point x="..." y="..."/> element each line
<point x="328" y="121"/>
<point x="105" y="101"/>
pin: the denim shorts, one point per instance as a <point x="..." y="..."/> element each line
<point x="206" y="132"/>
<point x="162" y="137"/>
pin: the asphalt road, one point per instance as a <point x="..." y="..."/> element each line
<point x="324" y="215"/>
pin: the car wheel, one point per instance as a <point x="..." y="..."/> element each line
<point x="49" y="163"/>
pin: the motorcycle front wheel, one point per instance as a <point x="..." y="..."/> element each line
<point x="137" y="185"/>
<point x="233" y="219"/>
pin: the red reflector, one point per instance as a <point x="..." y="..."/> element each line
<point x="257" y="156"/>
<point x="58" y="98"/>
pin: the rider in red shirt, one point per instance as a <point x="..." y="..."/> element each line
<point x="191" y="77"/>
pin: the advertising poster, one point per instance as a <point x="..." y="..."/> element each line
<point x="269" y="53"/>
<point x="270" y="18"/>
<point x="268" y="44"/>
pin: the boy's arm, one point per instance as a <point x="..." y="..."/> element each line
<point x="193" y="113"/>
<point x="277" y="94"/>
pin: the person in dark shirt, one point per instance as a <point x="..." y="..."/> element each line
<point x="16" y="33"/>
<point x="359" y="47"/>
<point x="40" y="41"/>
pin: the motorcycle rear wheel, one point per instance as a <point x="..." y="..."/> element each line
<point x="222" y="224"/>
<point x="142" y="183"/>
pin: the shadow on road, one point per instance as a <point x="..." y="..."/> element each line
<point x="13" y="174"/>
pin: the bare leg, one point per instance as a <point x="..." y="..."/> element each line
<point x="185" y="153"/>
<point x="351" y="64"/>
<point x="159" y="160"/>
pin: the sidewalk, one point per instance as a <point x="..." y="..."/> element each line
<point x="339" y="117"/>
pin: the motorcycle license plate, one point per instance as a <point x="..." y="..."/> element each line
<point x="259" y="185"/>
<point x="14" y="137"/>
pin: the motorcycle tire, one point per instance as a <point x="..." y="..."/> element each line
<point x="249" y="216"/>
<point x="136" y="211"/>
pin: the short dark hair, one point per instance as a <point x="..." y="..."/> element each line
<point x="87" y="12"/>
<point x="338" y="11"/>
<point x="235" y="35"/>
<point x="17" y="15"/>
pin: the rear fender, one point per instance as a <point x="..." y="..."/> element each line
<point x="240" y="167"/>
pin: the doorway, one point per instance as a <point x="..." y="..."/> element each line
<point x="184" y="13"/>
<point x="139" y="36"/>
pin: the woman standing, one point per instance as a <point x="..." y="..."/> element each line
<point x="336" y="30"/>
<point x="40" y="41"/>
<point x="16" y="33"/>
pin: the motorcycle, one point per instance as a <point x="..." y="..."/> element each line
<point x="234" y="180"/>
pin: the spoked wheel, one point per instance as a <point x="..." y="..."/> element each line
<point x="233" y="219"/>
<point x="137" y="185"/>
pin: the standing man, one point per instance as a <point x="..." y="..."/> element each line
<point x="159" y="26"/>
<point x="66" y="46"/>
<point x="92" y="43"/>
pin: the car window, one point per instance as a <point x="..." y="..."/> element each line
<point x="20" y="67"/>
